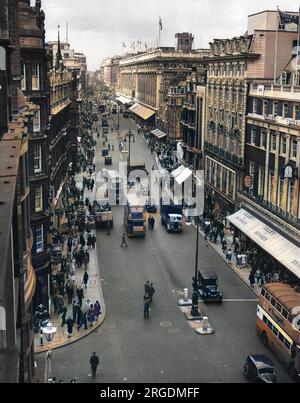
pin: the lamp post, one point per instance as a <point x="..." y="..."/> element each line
<point x="130" y="136"/>
<point x="49" y="333"/>
<point x="118" y="127"/>
<point x="195" y="311"/>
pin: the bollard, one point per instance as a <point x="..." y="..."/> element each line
<point x="205" y="323"/>
<point x="185" y="294"/>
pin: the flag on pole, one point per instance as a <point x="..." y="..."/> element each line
<point x="287" y="18"/>
<point x="160" y="24"/>
<point x="146" y="47"/>
<point x="124" y="46"/>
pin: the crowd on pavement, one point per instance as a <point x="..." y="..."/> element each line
<point x="74" y="241"/>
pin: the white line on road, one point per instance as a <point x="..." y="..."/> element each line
<point x="235" y="300"/>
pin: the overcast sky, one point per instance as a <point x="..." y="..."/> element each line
<point x="98" y="27"/>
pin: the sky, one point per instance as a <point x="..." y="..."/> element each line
<point x="98" y="27"/>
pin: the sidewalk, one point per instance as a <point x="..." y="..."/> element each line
<point x="244" y="272"/>
<point x="93" y="293"/>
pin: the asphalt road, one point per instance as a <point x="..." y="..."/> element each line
<point x="162" y="348"/>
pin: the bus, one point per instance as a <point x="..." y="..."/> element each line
<point x="278" y="324"/>
<point x="135" y="216"/>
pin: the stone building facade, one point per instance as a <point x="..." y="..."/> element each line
<point x="35" y="86"/>
<point x="17" y="276"/>
<point x="232" y="66"/>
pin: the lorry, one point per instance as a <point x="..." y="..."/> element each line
<point x="171" y="217"/>
<point x="103" y="213"/>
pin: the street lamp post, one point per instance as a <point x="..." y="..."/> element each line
<point x="49" y="333"/>
<point x="195" y="310"/>
<point x="130" y="136"/>
<point x="118" y="127"/>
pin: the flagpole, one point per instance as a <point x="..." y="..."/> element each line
<point x="276" y="47"/>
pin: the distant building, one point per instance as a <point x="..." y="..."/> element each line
<point x="185" y="42"/>
<point x="110" y="70"/>
<point x="152" y="80"/>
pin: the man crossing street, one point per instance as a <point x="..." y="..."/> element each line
<point x="124" y="240"/>
<point x="94" y="361"/>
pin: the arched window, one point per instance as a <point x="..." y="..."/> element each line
<point x="2" y="58"/>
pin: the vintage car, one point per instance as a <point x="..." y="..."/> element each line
<point x="208" y="286"/>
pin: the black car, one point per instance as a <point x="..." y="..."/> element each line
<point x="259" y="368"/>
<point x="151" y="206"/>
<point x="208" y="286"/>
<point x="107" y="160"/>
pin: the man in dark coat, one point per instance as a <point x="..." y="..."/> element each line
<point x="85" y="278"/>
<point x="94" y="361"/>
<point x="70" y="326"/>
<point x="151" y="291"/>
<point x="146" y="306"/>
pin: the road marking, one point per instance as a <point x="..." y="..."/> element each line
<point x="165" y="324"/>
<point x="235" y="300"/>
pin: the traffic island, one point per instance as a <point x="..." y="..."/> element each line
<point x="203" y="326"/>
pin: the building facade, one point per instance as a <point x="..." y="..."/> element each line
<point x="17" y="276"/>
<point x="35" y="86"/>
<point x="150" y="79"/>
<point x="232" y="66"/>
<point x="110" y="68"/>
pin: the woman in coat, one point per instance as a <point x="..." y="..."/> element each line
<point x="97" y="308"/>
<point x="91" y="315"/>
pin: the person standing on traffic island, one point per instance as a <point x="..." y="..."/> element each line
<point x="124" y="240"/>
<point x="151" y="292"/>
<point x="94" y="361"/>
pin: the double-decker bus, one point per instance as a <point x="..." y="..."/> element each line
<point x="135" y="216"/>
<point x="278" y="324"/>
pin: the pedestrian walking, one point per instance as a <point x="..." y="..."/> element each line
<point x="63" y="316"/>
<point x="229" y="255"/>
<point x="124" y="240"/>
<point x="97" y="308"/>
<point x="80" y="295"/>
<point x="94" y="361"/>
<point x="85" y="279"/>
<point x="70" y="323"/>
<point x="152" y="223"/>
<point x="147" y="287"/>
<point x="146" y="306"/>
<point x="91" y="315"/>
<point x="83" y="320"/>
<point x="251" y="279"/>
<point x="151" y="291"/>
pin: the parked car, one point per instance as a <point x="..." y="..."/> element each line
<point x="259" y="368"/>
<point x="208" y="286"/>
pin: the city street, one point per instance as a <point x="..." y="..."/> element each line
<point x="162" y="348"/>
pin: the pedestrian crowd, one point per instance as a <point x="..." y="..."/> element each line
<point x="71" y="248"/>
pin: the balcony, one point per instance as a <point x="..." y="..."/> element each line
<point x="276" y="211"/>
<point x="190" y="106"/>
<point x="225" y="154"/>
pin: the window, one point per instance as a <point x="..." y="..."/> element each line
<point x="285" y="110"/>
<point x="261" y="180"/>
<point x="275" y="108"/>
<point x="280" y="191"/>
<point x="296" y="112"/>
<point x="35" y="78"/>
<point x="291" y="196"/>
<point x="39" y="238"/>
<point x="273" y="142"/>
<point x="265" y="108"/>
<point x="252" y="174"/>
<point x="37" y="121"/>
<point x="23" y="77"/>
<point x="271" y="191"/>
<point x="253" y="137"/>
<point x="294" y="149"/>
<point x="283" y="146"/>
<point x="38" y="198"/>
<point x="263" y="139"/>
<point x="37" y="159"/>
<point x="283" y="78"/>
<point x="255" y="106"/>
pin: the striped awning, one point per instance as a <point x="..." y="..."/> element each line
<point x="142" y="111"/>
<point x="158" y="133"/>
<point x="124" y="100"/>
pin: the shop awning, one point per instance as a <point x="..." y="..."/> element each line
<point x="181" y="174"/>
<point x="283" y="250"/>
<point x="158" y="134"/>
<point x="124" y="100"/>
<point x="142" y="111"/>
